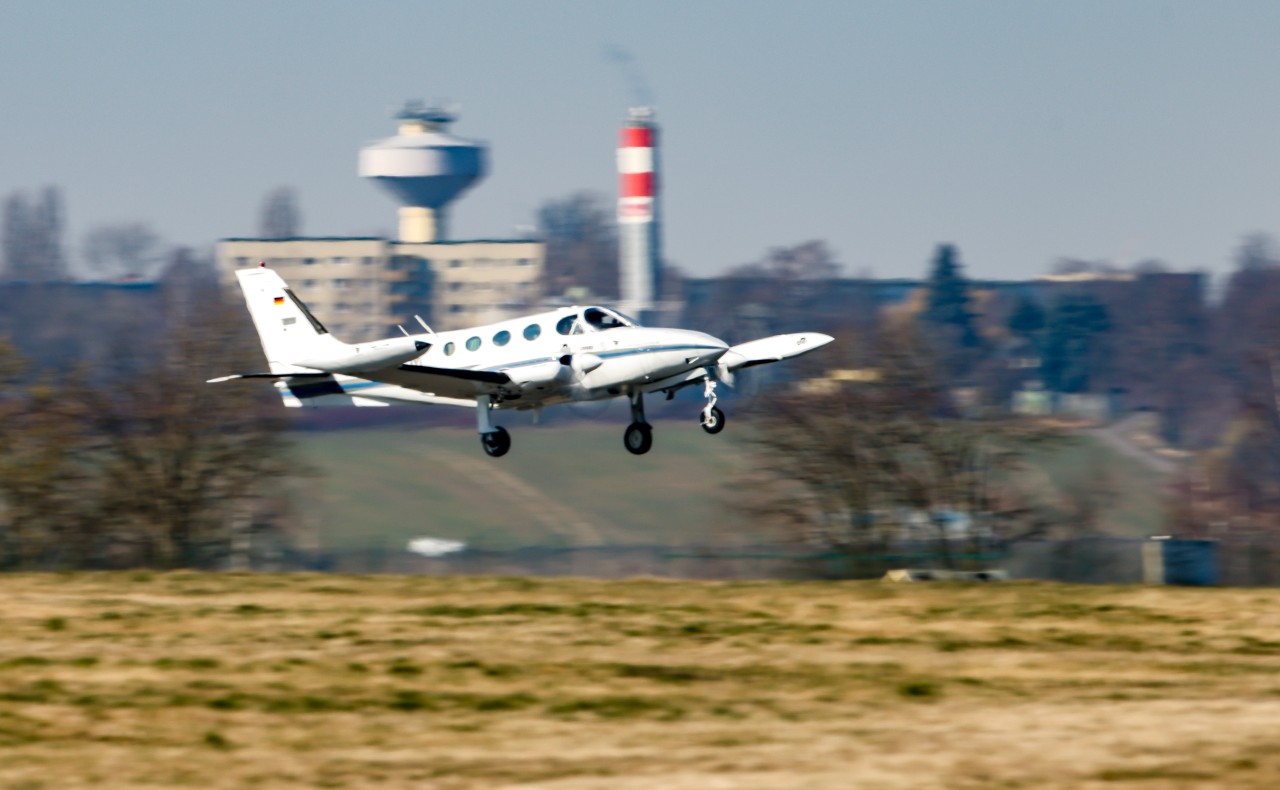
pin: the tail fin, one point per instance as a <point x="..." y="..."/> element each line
<point x="287" y="329"/>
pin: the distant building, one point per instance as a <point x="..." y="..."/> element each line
<point x="362" y="288"/>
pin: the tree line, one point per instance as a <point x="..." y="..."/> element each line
<point x="125" y="456"/>
<point x="113" y="450"/>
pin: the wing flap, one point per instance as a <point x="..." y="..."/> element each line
<point x="485" y="376"/>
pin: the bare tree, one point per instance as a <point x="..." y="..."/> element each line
<point x="778" y="293"/>
<point x="125" y="251"/>
<point x="582" y="245"/>
<point x="853" y="468"/>
<point x="181" y="459"/>
<point x="810" y="260"/>
<point x="280" y="217"/>
<point x="47" y="484"/>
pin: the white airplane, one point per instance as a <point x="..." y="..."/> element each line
<point x="560" y="356"/>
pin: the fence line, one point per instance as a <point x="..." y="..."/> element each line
<point x="1252" y="560"/>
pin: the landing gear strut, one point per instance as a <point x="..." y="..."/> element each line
<point x="495" y="440"/>
<point x="639" y="434"/>
<point x="712" y="418"/>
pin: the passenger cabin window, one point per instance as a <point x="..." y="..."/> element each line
<point x="502" y="338"/>
<point x="473" y="343"/>
<point x="449" y="348"/>
<point x="565" y="325"/>
<point x="532" y="331"/>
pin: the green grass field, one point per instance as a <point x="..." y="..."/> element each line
<point x="572" y="483"/>
<point x="568" y="484"/>
<point x="259" y="680"/>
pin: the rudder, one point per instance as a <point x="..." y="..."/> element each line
<point x="286" y="328"/>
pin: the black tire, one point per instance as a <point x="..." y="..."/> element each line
<point x="638" y="438"/>
<point x="497" y="443"/>
<point x="716" y="423"/>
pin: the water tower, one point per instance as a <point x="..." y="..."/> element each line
<point x="424" y="168"/>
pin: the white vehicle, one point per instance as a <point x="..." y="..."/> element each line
<point x="565" y="355"/>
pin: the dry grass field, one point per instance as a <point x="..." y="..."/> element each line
<point x="238" y="680"/>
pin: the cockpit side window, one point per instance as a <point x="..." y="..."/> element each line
<point x="602" y="319"/>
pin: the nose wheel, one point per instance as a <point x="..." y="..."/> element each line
<point x="638" y="438"/>
<point x="496" y="443"/>
<point x="713" y="420"/>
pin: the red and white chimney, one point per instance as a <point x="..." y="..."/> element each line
<point x="640" y="259"/>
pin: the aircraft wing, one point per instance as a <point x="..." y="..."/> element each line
<point x="405" y="383"/>
<point x="746" y="355"/>
<point x="772" y="349"/>
<point x="343" y="390"/>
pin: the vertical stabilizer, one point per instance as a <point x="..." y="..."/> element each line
<point x="287" y="329"/>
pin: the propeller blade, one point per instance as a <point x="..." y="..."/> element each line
<point x="724" y="374"/>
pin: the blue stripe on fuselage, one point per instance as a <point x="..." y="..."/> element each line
<point x="356" y="385"/>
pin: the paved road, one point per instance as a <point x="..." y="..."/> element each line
<point x="1119" y="435"/>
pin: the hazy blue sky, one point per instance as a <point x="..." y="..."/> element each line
<point x="1022" y="131"/>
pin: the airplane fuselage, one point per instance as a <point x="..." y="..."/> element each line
<point x="560" y="356"/>
<point x="551" y="357"/>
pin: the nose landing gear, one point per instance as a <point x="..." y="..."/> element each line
<point x="712" y="418"/>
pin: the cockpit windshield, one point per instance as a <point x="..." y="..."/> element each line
<point x="600" y="319"/>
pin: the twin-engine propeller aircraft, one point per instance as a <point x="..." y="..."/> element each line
<point x="565" y="355"/>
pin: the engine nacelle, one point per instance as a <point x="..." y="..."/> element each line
<point x="585" y="363"/>
<point x="540" y="375"/>
<point x="358" y="357"/>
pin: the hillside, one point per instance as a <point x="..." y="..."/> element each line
<point x="572" y="483"/>
<point x="568" y="484"/>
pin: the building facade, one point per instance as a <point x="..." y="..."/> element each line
<point x="363" y="287"/>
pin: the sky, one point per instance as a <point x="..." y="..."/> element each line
<point x="1022" y="131"/>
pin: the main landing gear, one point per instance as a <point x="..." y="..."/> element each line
<point x="494" y="439"/>
<point x="712" y="418"/>
<point x="496" y="442"/>
<point x="638" y="438"/>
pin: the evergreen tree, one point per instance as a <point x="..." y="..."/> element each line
<point x="1027" y="319"/>
<point x="948" y="297"/>
<point x="1074" y="355"/>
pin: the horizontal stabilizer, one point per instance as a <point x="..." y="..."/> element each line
<point x="221" y="379"/>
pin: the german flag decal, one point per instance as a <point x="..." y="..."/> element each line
<point x="279" y="300"/>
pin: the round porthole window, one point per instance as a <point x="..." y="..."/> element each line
<point x="449" y="348"/>
<point x="502" y="338"/>
<point x="473" y="343"/>
<point x="532" y="331"/>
